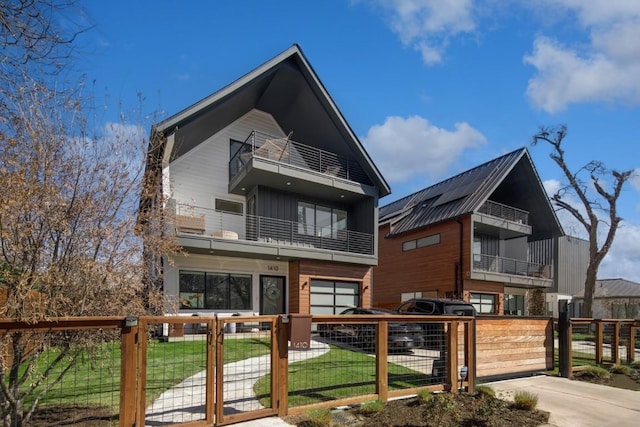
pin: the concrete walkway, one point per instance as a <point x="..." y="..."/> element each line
<point x="185" y="402"/>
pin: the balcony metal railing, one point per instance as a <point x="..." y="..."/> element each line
<point x="204" y="222"/>
<point x="495" y="264"/>
<point x="505" y="212"/>
<point x="284" y="150"/>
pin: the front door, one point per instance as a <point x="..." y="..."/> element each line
<point x="272" y="295"/>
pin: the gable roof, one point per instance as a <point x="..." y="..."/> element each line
<point x="511" y="176"/>
<point x="614" y="288"/>
<point x="287" y="87"/>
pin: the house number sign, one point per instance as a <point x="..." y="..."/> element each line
<point x="273" y="267"/>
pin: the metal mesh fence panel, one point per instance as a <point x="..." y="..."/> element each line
<point x="176" y="377"/>
<point x="69" y="377"/>
<point x="246" y="370"/>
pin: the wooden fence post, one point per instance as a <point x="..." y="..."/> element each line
<point x="280" y="378"/>
<point x="452" y="350"/>
<point x="631" y="344"/>
<point x="599" y="339"/>
<point x="470" y="354"/>
<point x="128" y="372"/>
<point x="382" y="370"/>
<point x="615" y="344"/>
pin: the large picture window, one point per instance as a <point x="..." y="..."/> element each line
<point x="483" y="303"/>
<point x="321" y="221"/>
<point x="216" y="291"/>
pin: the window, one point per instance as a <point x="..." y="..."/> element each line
<point x="218" y="291"/>
<point x="321" y="221"/>
<point x="228" y="206"/>
<point x="483" y="303"/>
<point x="422" y="242"/>
<point x="514" y="305"/>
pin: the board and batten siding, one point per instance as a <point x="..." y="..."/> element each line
<point x="219" y="264"/>
<point x="202" y="174"/>
<point x="507" y="346"/>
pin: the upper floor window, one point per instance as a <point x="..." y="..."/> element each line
<point x="422" y="242"/>
<point x="321" y="221"/>
<point x="228" y="206"/>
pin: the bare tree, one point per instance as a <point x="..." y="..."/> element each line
<point x="593" y="209"/>
<point x="68" y="209"/>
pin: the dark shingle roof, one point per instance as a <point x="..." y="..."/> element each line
<point x="466" y="192"/>
<point x="614" y="288"/>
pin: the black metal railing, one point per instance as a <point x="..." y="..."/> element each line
<point x="284" y="150"/>
<point x="505" y="212"/>
<point x="518" y="267"/>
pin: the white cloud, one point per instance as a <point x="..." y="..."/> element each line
<point x="427" y="25"/>
<point x="624" y="257"/>
<point x="405" y="148"/>
<point x="604" y="69"/>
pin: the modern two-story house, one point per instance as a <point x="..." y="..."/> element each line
<point x="273" y="198"/>
<point x="488" y="235"/>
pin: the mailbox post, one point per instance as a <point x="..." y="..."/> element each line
<point x="300" y="331"/>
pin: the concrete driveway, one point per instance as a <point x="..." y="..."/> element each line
<point x="577" y="403"/>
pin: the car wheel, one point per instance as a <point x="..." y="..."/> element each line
<point x="366" y="340"/>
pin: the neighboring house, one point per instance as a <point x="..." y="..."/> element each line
<point x="275" y="198"/>
<point x="613" y="299"/>
<point x="486" y="235"/>
<point x="570" y="271"/>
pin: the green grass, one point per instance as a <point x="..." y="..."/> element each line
<point x="342" y="373"/>
<point x="95" y="379"/>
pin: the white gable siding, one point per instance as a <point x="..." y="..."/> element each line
<point x="202" y="174"/>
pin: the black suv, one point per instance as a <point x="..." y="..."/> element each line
<point x="436" y="307"/>
<point x="434" y="336"/>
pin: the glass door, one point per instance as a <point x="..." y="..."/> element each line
<point x="272" y="295"/>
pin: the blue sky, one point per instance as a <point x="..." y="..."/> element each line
<point x="430" y="87"/>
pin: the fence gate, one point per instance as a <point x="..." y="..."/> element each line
<point x="178" y="382"/>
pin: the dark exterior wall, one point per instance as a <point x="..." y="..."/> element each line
<point x="302" y="271"/>
<point x="428" y="269"/>
<point x="283" y="205"/>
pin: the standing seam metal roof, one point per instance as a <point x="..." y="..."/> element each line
<point x="455" y="197"/>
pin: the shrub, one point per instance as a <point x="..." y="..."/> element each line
<point x="439" y="406"/>
<point x="592" y="372"/>
<point x="371" y="407"/>
<point x="319" y="417"/>
<point x="485" y="390"/>
<point x="621" y="369"/>
<point x="635" y="364"/>
<point x="525" y="400"/>
<point x="424" y="396"/>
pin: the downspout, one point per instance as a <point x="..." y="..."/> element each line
<point x="460" y="282"/>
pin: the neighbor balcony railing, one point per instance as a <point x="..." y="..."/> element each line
<point x="204" y="222"/>
<point x="284" y="150"/>
<point x="505" y="212"/>
<point x="495" y="264"/>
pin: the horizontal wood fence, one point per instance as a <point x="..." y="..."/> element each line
<point x="511" y="346"/>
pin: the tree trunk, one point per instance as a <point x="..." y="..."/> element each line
<point x="589" y="290"/>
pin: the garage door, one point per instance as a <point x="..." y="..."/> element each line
<point x="331" y="297"/>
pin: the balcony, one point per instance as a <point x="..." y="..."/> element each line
<point x="490" y="267"/>
<point x="203" y="224"/>
<point x="265" y="159"/>
<point x="509" y="213"/>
